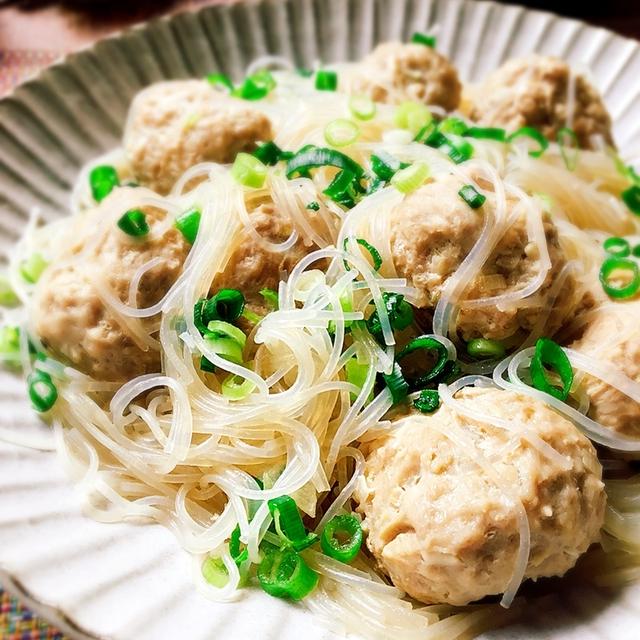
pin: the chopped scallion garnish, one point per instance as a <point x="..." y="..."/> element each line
<point x="326" y="80"/>
<point x="102" y="180"/>
<point x="239" y="553"/>
<point x="621" y="268"/>
<point x="237" y="388"/>
<point x="341" y="132"/>
<point x="534" y="134"/>
<point x="268" y="153"/>
<point x="342" y="538"/>
<point x="284" y="574"/>
<point x="396" y="384"/>
<point x="256" y="86"/>
<point x="631" y="198"/>
<point x="413" y="116"/>
<point x="384" y="165"/>
<point x="424" y="38"/>
<point x="427" y="344"/>
<point x="456" y="126"/>
<point x="8" y="297"/>
<point x="134" y="223"/>
<point x="356" y="373"/>
<point x="485" y="348"/>
<point x="270" y="297"/>
<point x="550" y="355"/>
<point x="428" y="401"/>
<point x="42" y="391"/>
<point x="342" y="189"/>
<point x="215" y="572"/>
<point x="400" y="315"/>
<point x="248" y="171"/>
<point x="373" y="252"/>
<point x="10" y="345"/>
<point x="362" y="107"/>
<point x="409" y="179"/>
<point x="226" y="304"/>
<point x="32" y="268"/>
<point x="471" y="196"/>
<point x="313" y="157"/>
<point x="617" y="247"/>
<point x="313" y="206"/>
<point x="636" y="251"/>
<point x="188" y="224"/>
<point x="289" y="523"/>
<point x="220" y="79"/>
<point x="486" y="133"/>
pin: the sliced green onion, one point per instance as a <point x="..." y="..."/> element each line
<point x="551" y="355"/>
<point x="222" y="329"/>
<point x="311" y="157"/>
<point x="268" y="153"/>
<point x="413" y="116"/>
<point x="8" y="297"/>
<point x="384" y="165"/>
<point x="32" y="268"/>
<point x="237" y="388"/>
<point x="362" y="107"/>
<point x="342" y="538"/>
<point x="396" y="384"/>
<point x="342" y="189"/>
<point x="256" y="86"/>
<point x="248" y="171"/>
<point x="453" y="125"/>
<point x="636" y="251"/>
<point x="198" y="313"/>
<point x="289" y="523"/>
<point x="102" y="180"/>
<point x="459" y="151"/>
<point x="428" y="401"/>
<point x="409" y="179"/>
<point x="424" y="38"/>
<point x="326" y="80"/>
<point x="356" y="374"/>
<point x="568" y="143"/>
<point x="226" y="348"/>
<point x="284" y="574"/>
<point x="42" y="391"/>
<point x="471" y="196"/>
<point x="429" y="344"/>
<point x="486" y="133"/>
<point x="270" y="297"/>
<point x="631" y="198"/>
<point x="400" y="314"/>
<point x="341" y="132"/>
<point x="485" y="348"/>
<point x="10" y="345"/>
<point x="206" y="365"/>
<point x="534" y="134"/>
<point x="188" y="224"/>
<point x="215" y="572"/>
<point x="625" y="265"/>
<point x="617" y="247"/>
<point x="227" y="305"/>
<point x="252" y="317"/>
<point x="134" y="223"/>
<point x="373" y="252"/>
<point x="220" y="79"/>
<point x="239" y="554"/>
<point x="313" y="206"/>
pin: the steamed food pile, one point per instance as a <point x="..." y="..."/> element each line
<point x="353" y="334"/>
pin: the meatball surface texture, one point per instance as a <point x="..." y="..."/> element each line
<point x="395" y="73"/>
<point x="175" y="125"/>
<point x="447" y="533"/>
<point x="534" y="92"/>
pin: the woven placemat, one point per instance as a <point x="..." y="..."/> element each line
<point x="18" y="623"/>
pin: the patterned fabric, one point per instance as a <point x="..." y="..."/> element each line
<point x="18" y="623"/>
<point x="18" y="65"/>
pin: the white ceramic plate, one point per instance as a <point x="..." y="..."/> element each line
<point x="126" y="582"/>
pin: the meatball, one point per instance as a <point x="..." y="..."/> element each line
<point x="445" y="532"/>
<point x="175" y="125"/>
<point x="534" y="92"/>
<point x="613" y="337"/>
<point x="395" y="72"/>
<point x="433" y="230"/>
<point x="74" y="322"/>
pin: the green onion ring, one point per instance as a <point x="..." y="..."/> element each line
<point x="620" y="264"/>
<point x="550" y="354"/>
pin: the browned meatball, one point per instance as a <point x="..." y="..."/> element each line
<point x="534" y="92"/>
<point x="433" y="232"/>
<point x="74" y="322"/>
<point x="175" y="125"/>
<point x="395" y="72"/>
<point x="445" y="532"/>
